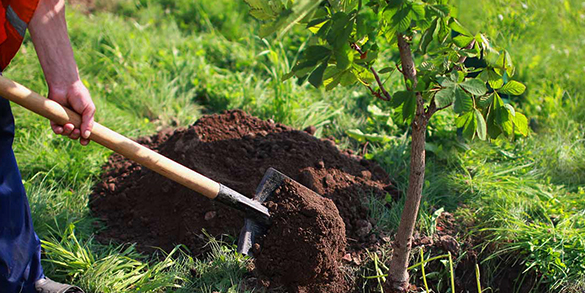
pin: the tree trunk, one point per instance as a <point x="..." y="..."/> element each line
<point x="398" y="278"/>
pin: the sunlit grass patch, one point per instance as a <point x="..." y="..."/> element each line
<point x="532" y="222"/>
<point x="120" y="268"/>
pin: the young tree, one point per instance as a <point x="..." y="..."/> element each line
<point x="344" y="50"/>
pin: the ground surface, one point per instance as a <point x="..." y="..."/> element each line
<point x="155" y="65"/>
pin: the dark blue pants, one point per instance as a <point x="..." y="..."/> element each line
<point x="20" y="249"/>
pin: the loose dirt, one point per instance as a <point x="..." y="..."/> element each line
<point x="302" y="247"/>
<point x="234" y="148"/>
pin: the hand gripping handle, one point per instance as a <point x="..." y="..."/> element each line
<point x="118" y="143"/>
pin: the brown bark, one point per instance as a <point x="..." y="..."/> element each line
<point x="398" y="279"/>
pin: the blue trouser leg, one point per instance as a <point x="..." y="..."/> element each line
<point x="20" y="249"/>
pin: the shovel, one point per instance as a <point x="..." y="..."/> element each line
<point x="257" y="217"/>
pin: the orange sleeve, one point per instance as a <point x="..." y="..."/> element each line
<point x="23" y="8"/>
<point x="14" y="18"/>
<point x="2" y="24"/>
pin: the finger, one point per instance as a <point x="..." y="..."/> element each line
<point x="58" y="129"/>
<point x="75" y="134"/>
<point x="87" y="120"/>
<point x="84" y="141"/>
<point x="67" y="129"/>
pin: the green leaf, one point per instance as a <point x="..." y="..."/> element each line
<point x="267" y="29"/>
<point x="474" y="86"/>
<point x="521" y="125"/>
<point x="506" y="123"/>
<point x="510" y="109"/>
<point x="462" y="41"/>
<point x="504" y="64"/>
<point x="467" y="122"/>
<point x="484" y="101"/>
<point x="395" y="4"/>
<point x="441" y="10"/>
<point x="362" y="74"/>
<point x="362" y="28"/>
<point x="386" y="69"/>
<point x="492" y="127"/>
<point x="296" y="14"/>
<point x="344" y="56"/>
<point x="418" y="10"/>
<point x="444" y="97"/>
<point x="457" y="26"/>
<point x="512" y="87"/>
<point x="316" y="77"/>
<point x="316" y="24"/>
<point x="503" y="118"/>
<point x="316" y="53"/>
<point x="454" y="76"/>
<point x="348" y="78"/>
<point x="356" y="134"/>
<point x="427" y="37"/>
<point x="480" y="125"/>
<point x="389" y="199"/>
<point x="303" y="68"/>
<point x="339" y="22"/>
<point x="362" y="137"/>
<point x="324" y="30"/>
<point x="342" y="39"/>
<point x="446" y="81"/>
<point x="284" y="19"/>
<point x="494" y="80"/>
<point x="400" y="97"/>
<point x="265" y="10"/>
<point x="463" y="102"/>
<point x="443" y="30"/>
<point x="409" y="107"/>
<point x="401" y="21"/>
<point x="376" y="112"/>
<point x="331" y="83"/>
<point x="332" y="77"/>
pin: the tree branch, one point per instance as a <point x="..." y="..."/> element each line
<point x="444" y="107"/>
<point x="385" y="95"/>
<point x="380" y="84"/>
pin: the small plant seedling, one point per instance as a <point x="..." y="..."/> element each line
<point x="345" y="51"/>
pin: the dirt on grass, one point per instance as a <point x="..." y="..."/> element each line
<point x="234" y="148"/>
<point x="467" y="249"/>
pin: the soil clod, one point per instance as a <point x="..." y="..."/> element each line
<point x="302" y="247"/>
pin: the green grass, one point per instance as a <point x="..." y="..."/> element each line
<point x="156" y="64"/>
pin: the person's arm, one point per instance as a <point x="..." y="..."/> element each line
<point x="48" y="30"/>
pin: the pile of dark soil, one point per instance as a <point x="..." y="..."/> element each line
<point x="302" y="247"/>
<point x="138" y="205"/>
<point x="235" y="149"/>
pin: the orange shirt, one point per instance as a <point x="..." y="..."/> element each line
<point x="14" y="18"/>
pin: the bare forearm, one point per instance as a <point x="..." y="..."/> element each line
<point x="48" y="30"/>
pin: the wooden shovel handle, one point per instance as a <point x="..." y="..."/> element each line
<point x="118" y="143"/>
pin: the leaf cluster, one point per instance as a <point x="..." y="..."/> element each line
<point x="344" y="50"/>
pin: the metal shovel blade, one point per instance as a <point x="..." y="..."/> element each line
<point x="254" y="228"/>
